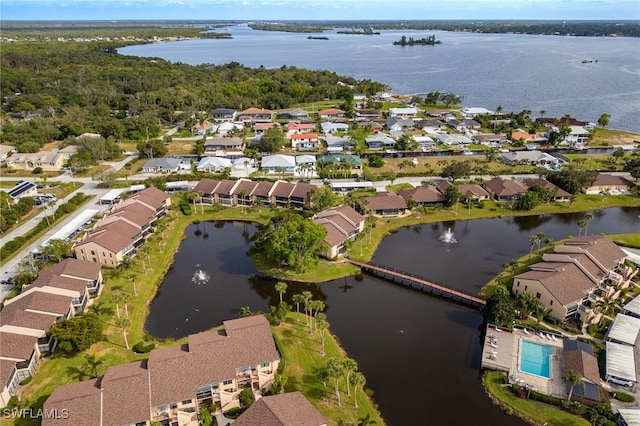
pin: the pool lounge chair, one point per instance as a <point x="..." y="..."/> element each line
<point x="525" y="330"/>
<point x="554" y="338"/>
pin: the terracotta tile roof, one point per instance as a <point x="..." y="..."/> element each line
<point x="385" y="201"/>
<point x="206" y="186"/>
<point x="304" y="136"/>
<point x="35" y="300"/>
<point x="263" y="126"/>
<point x="293" y="125"/>
<point x="565" y="281"/>
<point x="423" y="194"/>
<point x="287" y="409"/>
<point x="16" y="346"/>
<point x="81" y="400"/>
<point x="253" y="111"/>
<point x="126" y="394"/>
<point x="582" y="363"/>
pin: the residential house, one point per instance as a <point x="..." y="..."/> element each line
<point x="206" y="189"/>
<point x="255" y="115"/>
<point x="294" y="114"/>
<point x="474" y="112"/>
<point x="260" y="128"/>
<point x="395" y="125"/>
<point x="571" y="281"/>
<point x="549" y="122"/>
<point x="367" y="115"/>
<point x="165" y="165"/>
<point x="227" y="127"/>
<point x="353" y="160"/>
<point x="278" y="163"/>
<point x="384" y="204"/>
<point x="175" y="382"/>
<point x="213" y="164"/>
<point x="578" y="357"/>
<point x="329" y="127"/>
<point x="578" y="136"/>
<point x="380" y="141"/>
<point x="383" y="96"/>
<point x="608" y="183"/>
<point x="439" y="113"/>
<point x="336" y="143"/>
<point x="224" y="114"/>
<point x="331" y="113"/>
<point x="523" y="137"/>
<point x="425" y="143"/>
<point x="23" y="189"/>
<point x="504" y="189"/>
<point x="151" y="197"/>
<point x="464" y="125"/>
<point x="342" y="224"/>
<point x="286" y="409"/>
<point x="6" y="151"/>
<point x="490" y="139"/>
<point x="534" y="158"/>
<point x="560" y="194"/>
<point x="305" y="142"/>
<point x="19" y="356"/>
<point x="223" y="147"/>
<point x="470" y="191"/>
<point x="295" y="127"/>
<point x="403" y="112"/>
<point x="422" y="196"/>
<point x="48" y="161"/>
<point x="450" y="140"/>
<point x="306" y="166"/>
<point x="432" y="125"/>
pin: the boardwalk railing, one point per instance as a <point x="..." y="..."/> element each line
<point x="421" y="283"/>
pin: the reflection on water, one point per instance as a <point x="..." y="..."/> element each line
<point x="415" y="349"/>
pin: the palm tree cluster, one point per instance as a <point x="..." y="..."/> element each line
<point x="584" y="223"/>
<point x="537" y="240"/>
<point x="346" y="369"/>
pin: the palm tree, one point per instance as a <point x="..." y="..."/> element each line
<point x="93" y="363"/>
<point x="367" y="421"/>
<point x="322" y="324"/>
<point x="573" y="378"/>
<point x="123" y="323"/>
<point x="582" y="224"/>
<point x="335" y="370"/>
<point x="297" y="299"/>
<point x="281" y="288"/>
<point x="540" y="236"/>
<point x="588" y="218"/>
<point x="541" y="311"/>
<point x="532" y="240"/>
<point x="318" y="306"/>
<point x="323" y="375"/>
<point x="132" y="278"/>
<point x="357" y="379"/>
<point x="117" y="299"/>
<point x="512" y="264"/>
<point x="349" y="365"/>
<point x="306" y="295"/>
<point x="241" y="194"/>
<point x="245" y="311"/>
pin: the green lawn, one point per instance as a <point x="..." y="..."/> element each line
<point x="531" y="411"/>
<point x="303" y="358"/>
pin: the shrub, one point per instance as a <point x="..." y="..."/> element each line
<point x="141" y="348"/>
<point x="185" y="208"/>
<point x="624" y="397"/>
<point x="26" y="381"/>
<point x="37" y="170"/>
<point x="232" y="413"/>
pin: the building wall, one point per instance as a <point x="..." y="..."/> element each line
<point x="557" y="309"/>
<point x="92" y="252"/>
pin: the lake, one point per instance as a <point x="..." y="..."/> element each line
<point x="420" y="354"/>
<point x="514" y="71"/>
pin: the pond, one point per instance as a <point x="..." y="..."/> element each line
<point x="420" y="354"/>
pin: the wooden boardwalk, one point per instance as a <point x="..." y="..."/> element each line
<point x="420" y="283"/>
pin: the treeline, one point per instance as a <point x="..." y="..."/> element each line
<point x="67" y="89"/>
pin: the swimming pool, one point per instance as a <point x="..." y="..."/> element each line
<point x="535" y="358"/>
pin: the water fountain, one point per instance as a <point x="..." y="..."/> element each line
<point x="200" y="277"/>
<point x="448" y="237"/>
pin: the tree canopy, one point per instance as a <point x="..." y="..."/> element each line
<point x="78" y="333"/>
<point x="289" y="239"/>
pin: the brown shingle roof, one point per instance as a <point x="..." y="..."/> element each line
<point x="422" y="194"/>
<point x="504" y="187"/>
<point x="126" y="394"/>
<point x="283" y="189"/>
<point x="385" y="201"/>
<point x="225" y="187"/>
<point x="206" y="186"/>
<point x="301" y="190"/>
<point x="546" y="184"/>
<point x="138" y="213"/>
<point x="605" y="251"/>
<point x="13" y="315"/>
<point x="77" y="268"/>
<point x="16" y="346"/>
<point x="287" y="409"/>
<point x="6" y="370"/>
<point x="113" y="236"/>
<point x="582" y="363"/>
<point x="262" y="189"/>
<point x="171" y="378"/>
<point x="80" y="400"/>
<point x="246" y="185"/>
<point x="565" y="281"/>
<point x="606" y="179"/>
<point x="35" y="300"/>
<point x="472" y="190"/>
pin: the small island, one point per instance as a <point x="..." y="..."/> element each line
<point x="425" y="41"/>
<point x="362" y="31"/>
<point x="317" y="38"/>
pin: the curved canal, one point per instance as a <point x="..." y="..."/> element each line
<point x="420" y="353"/>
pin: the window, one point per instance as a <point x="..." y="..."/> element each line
<point x="227" y="382"/>
<point x="265" y="364"/>
<point x="551" y="303"/>
<point x="518" y="284"/>
<point x="173" y="405"/>
<point x="186" y="402"/>
<point x="525" y="287"/>
<point x="538" y="295"/>
<point x="93" y="253"/>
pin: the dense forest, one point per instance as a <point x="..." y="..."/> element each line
<point x="53" y="90"/>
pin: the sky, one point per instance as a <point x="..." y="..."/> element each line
<point x="319" y="9"/>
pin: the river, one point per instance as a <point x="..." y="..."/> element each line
<point x="420" y="354"/>
<point x="514" y="71"/>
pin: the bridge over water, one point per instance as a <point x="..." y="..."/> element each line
<point x="420" y="283"/>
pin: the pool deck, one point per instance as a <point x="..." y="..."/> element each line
<point x="500" y="351"/>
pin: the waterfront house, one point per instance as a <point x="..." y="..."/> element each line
<point x="367" y="115"/>
<point x="578" y="357"/>
<point x="403" y="112"/>
<point x="474" y="111"/>
<point x="342" y="224"/>
<point x="242" y="192"/>
<point x="470" y="191"/>
<point x="534" y="158"/>
<point x="520" y="136"/>
<point x="608" y="183"/>
<point x="337" y="144"/>
<point x="560" y="194"/>
<point x="287" y="409"/>
<point x="422" y="196"/>
<point x="450" y="140"/>
<point x="504" y="189"/>
<point x="489" y="139"/>
<point x="380" y="141"/>
<point x="109" y="244"/>
<point x="432" y="125"/>
<point x="175" y="382"/>
<point x="384" y="204"/>
<point x="278" y="163"/>
<point x="575" y="277"/>
<point x="330" y="113"/>
<point x="334" y="158"/>
<point x="463" y="125"/>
